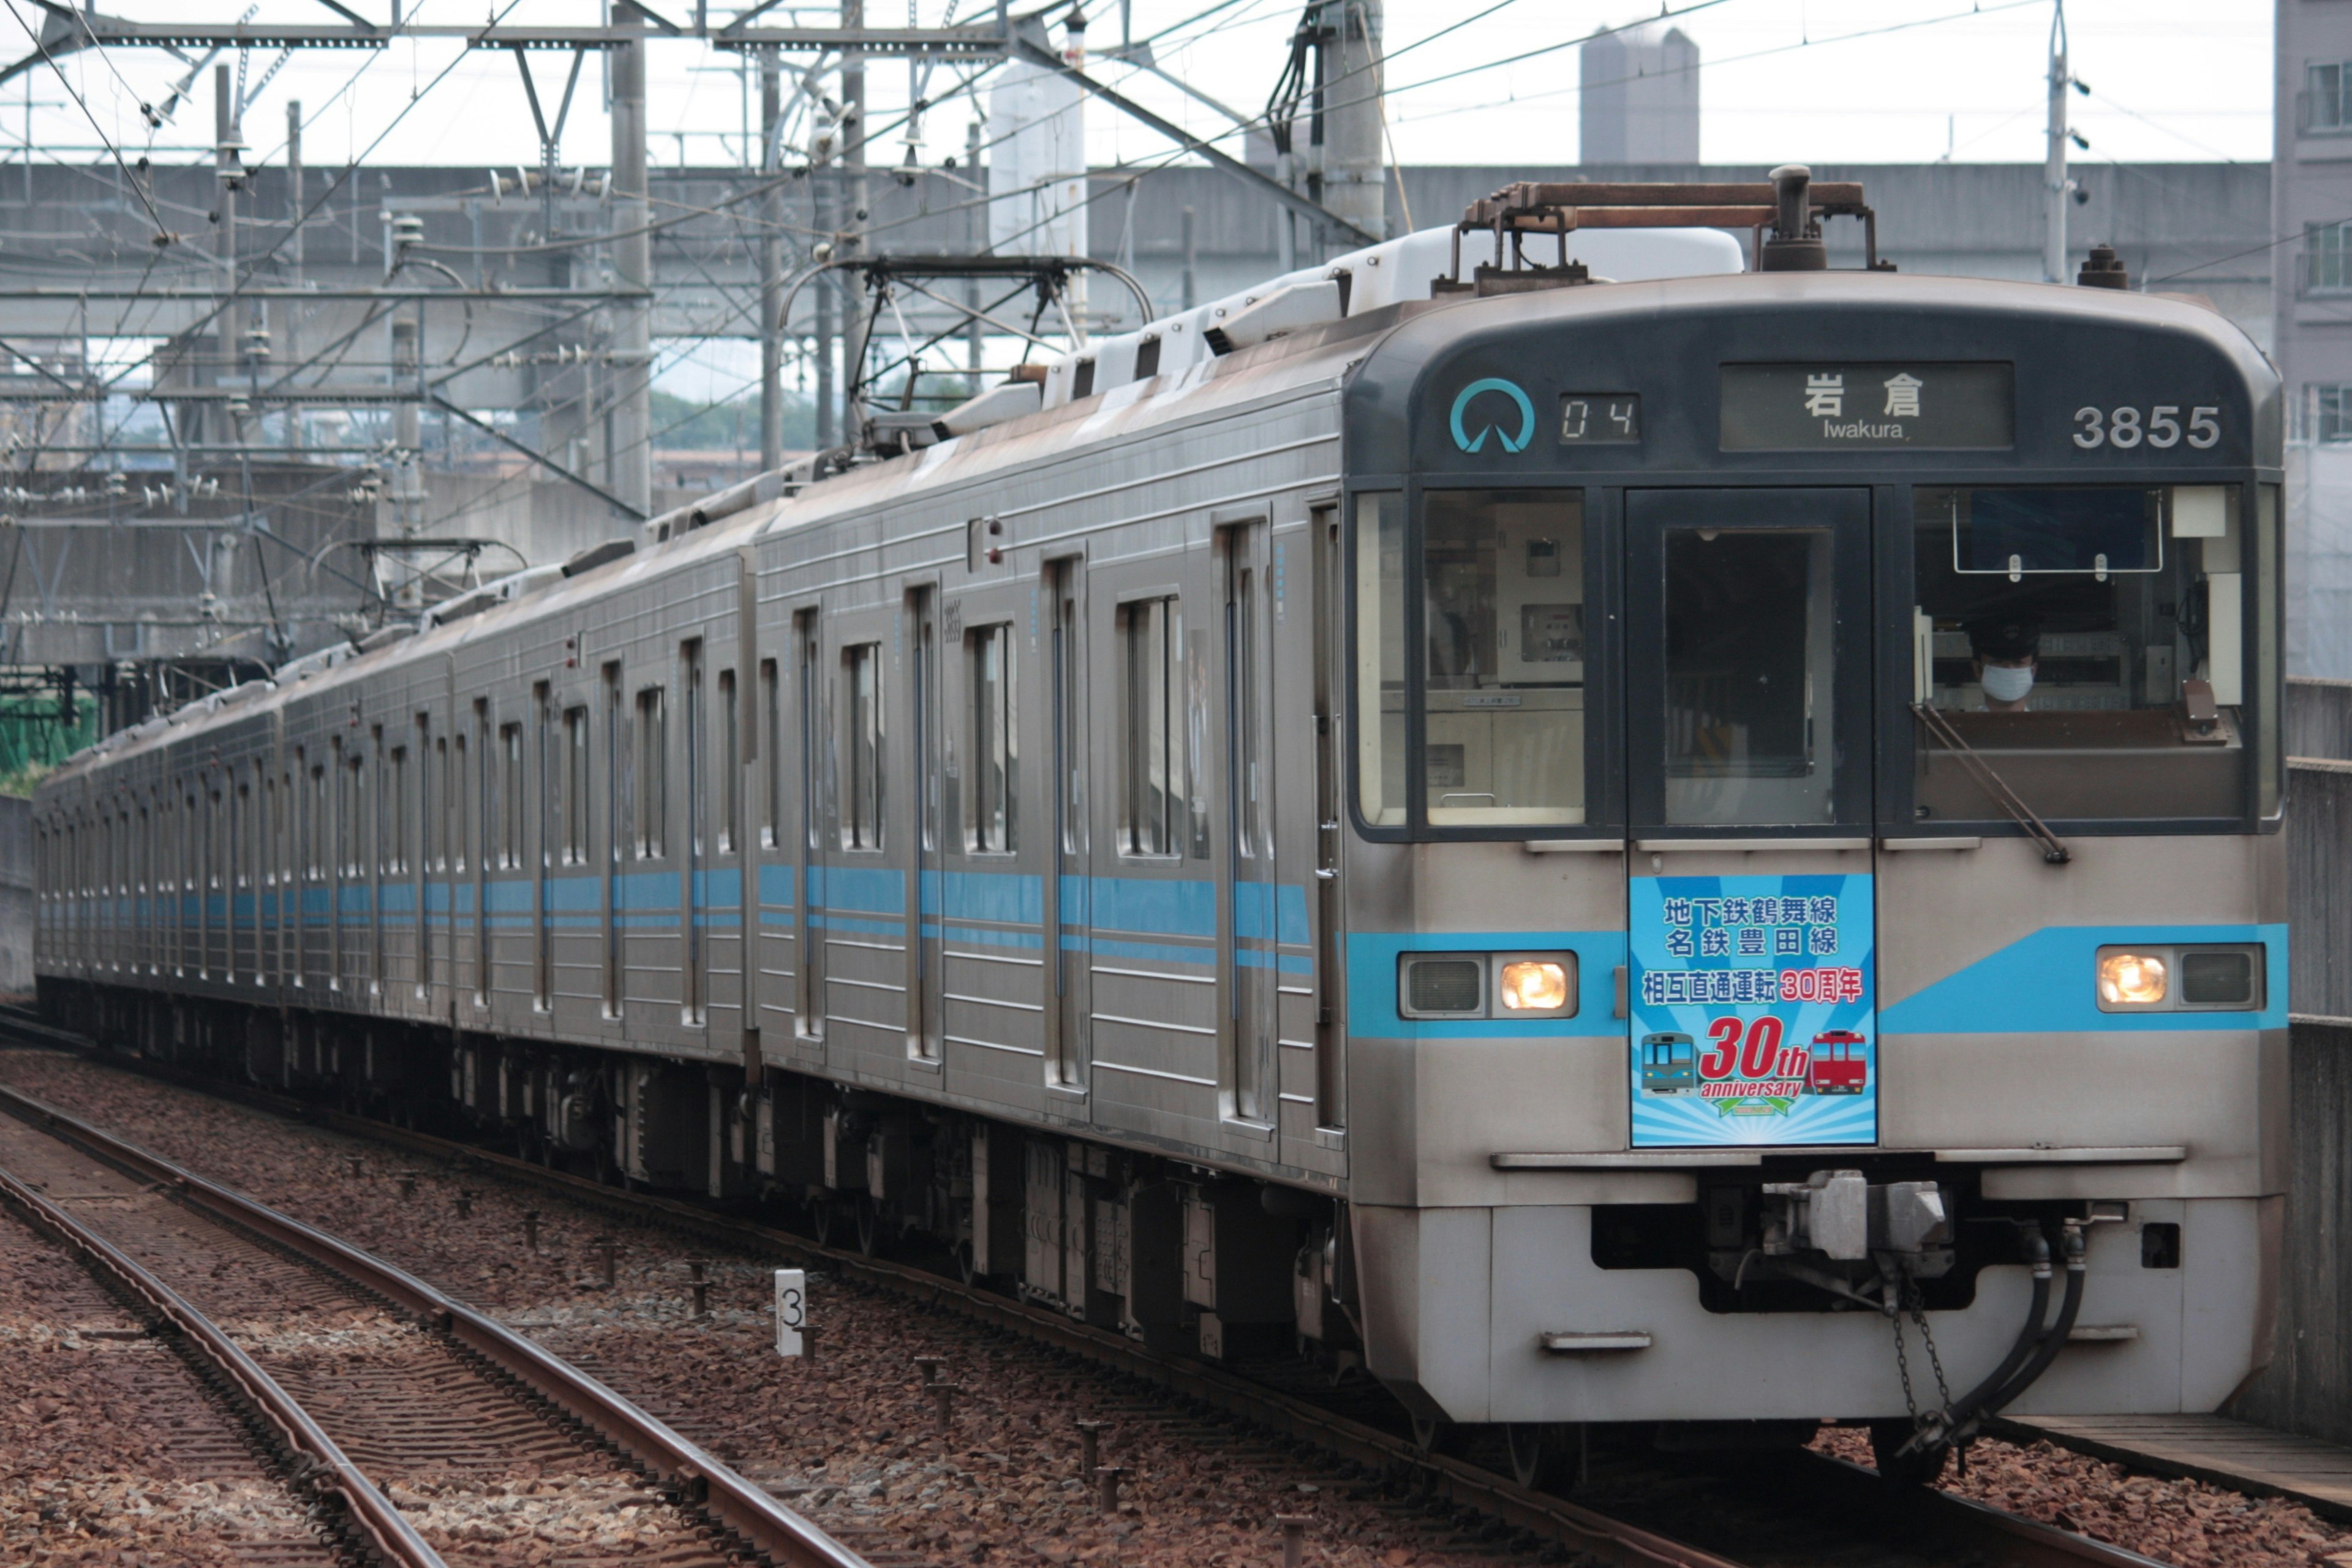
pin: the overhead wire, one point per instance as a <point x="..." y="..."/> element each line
<point x="2157" y="125"/>
<point x="1683" y="70"/>
<point x="871" y="135"/>
<point x="238" y="284"/>
<point x="163" y="235"/>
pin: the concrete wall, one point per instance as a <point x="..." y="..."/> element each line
<point x="2307" y="1387"/>
<point x="15" y="895"/>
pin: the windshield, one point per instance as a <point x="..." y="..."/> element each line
<point x="2090" y="642"/>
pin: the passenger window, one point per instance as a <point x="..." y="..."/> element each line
<point x="1152" y="753"/>
<point x="1504" y="650"/>
<point x="510" y="795"/>
<point x="394" y="857"/>
<point x="994" y="785"/>
<point x="861" y="822"/>
<point x="575" y="786"/>
<point x="731" y="761"/>
<point x="1749" y="658"/>
<point x="2088" y="643"/>
<point x="454" y="830"/>
<point x="653" y="773"/>
<point x="1379" y="659"/>
<point x="771" y="718"/>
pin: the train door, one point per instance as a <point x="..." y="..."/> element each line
<point x="546" y="794"/>
<point x="806" y="819"/>
<point x="1066" y="875"/>
<point x="694" y="956"/>
<point x="924" y="998"/>
<point x="1252" y="964"/>
<point x="1751" y="906"/>
<point x="1328" y="660"/>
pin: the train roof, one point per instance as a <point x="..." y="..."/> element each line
<point x="2184" y="315"/>
<point x="1392" y="334"/>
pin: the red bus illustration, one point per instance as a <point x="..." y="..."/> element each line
<point x="1838" y="1066"/>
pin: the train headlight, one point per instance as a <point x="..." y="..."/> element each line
<point x="2162" y="977"/>
<point x="2132" y="979"/>
<point x="1534" y="986"/>
<point x="1515" y="986"/>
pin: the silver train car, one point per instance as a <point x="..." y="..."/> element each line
<point x="1579" y="837"/>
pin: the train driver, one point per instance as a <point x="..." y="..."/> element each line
<point x="2005" y="653"/>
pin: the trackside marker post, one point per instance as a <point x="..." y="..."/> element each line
<point x="792" y="1310"/>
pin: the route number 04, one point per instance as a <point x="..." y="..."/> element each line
<point x="2123" y="428"/>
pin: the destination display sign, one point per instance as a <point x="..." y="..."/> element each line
<point x="1931" y="407"/>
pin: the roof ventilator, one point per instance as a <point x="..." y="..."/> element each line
<point x="596" y="555"/>
<point x="773" y="485"/>
<point x="911" y="428"/>
<point x="1784" y="216"/>
<point x="384" y="636"/>
<point x="1277" y="315"/>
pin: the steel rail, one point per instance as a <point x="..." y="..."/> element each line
<point x="696" y="1476"/>
<point x="1610" y="1540"/>
<point x="394" y="1539"/>
<point x="2011" y="1540"/>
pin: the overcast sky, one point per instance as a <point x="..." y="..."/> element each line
<point x="1822" y="80"/>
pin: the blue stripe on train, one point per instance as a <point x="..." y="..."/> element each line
<point x="2046" y="983"/>
<point x="1164" y="907"/>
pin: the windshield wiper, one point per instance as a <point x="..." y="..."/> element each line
<point x="2053" y="849"/>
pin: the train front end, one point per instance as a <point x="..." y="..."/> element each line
<point x="1815" y="859"/>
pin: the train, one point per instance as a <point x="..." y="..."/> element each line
<point x="1560" y="812"/>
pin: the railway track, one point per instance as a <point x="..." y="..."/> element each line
<point x="385" y="1397"/>
<point x="212" y="1478"/>
<point x="1781" y="1508"/>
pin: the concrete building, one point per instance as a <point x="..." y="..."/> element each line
<point x="1640" y="99"/>
<point x="2311" y="224"/>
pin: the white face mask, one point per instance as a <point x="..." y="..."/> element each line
<point x="2008" y="682"/>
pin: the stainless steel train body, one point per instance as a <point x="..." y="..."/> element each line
<point x="1214" y="851"/>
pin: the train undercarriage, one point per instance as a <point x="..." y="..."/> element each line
<point x="1181" y="1258"/>
<point x="1177" y="1255"/>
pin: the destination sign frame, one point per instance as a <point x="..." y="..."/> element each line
<point x="1869" y="406"/>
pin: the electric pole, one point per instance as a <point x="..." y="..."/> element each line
<point x="229" y="170"/>
<point x="631" y="456"/>
<point x="290" y="324"/>
<point x="851" y="234"/>
<point x="771" y="265"/>
<point x="2056" y="187"/>
<point x="1354" y="173"/>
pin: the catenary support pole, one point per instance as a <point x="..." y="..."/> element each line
<point x="2056" y="187"/>
<point x="822" y="204"/>
<point x="976" y="241"/>
<point x="226" y="164"/>
<point x="290" y="322"/>
<point x="633" y="343"/>
<point x="1355" y="184"/>
<point x="772" y="266"/>
<point x="853" y="228"/>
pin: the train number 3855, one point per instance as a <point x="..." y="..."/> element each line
<point x="2123" y="428"/>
